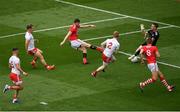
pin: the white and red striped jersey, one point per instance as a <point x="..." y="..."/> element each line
<point x="29" y="37"/>
<point x="13" y="60"/>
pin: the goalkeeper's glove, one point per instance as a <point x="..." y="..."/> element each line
<point x="142" y="27"/>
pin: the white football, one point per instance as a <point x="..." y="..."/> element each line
<point x="135" y="59"/>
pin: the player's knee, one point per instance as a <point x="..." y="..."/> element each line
<point x="37" y="54"/>
<point x="84" y="49"/>
<point x="83" y="45"/>
<point x="86" y="45"/>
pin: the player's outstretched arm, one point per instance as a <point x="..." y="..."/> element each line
<point x="143" y="30"/>
<point x="103" y="44"/>
<point x="87" y="26"/>
<point x="142" y="27"/>
<point x="20" y="69"/>
<point x="66" y="37"/>
<point x="117" y="50"/>
<point x="10" y="65"/>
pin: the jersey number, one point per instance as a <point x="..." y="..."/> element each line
<point x="110" y="45"/>
<point x="11" y="64"/>
<point x="148" y="53"/>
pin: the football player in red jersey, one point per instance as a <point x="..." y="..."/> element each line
<point x="76" y="43"/>
<point x="151" y="53"/>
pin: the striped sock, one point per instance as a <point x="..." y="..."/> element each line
<point x="164" y="82"/>
<point x="149" y="81"/>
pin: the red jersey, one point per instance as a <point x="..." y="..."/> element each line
<point x="74" y="29"/>
<point x="150" y="53"/>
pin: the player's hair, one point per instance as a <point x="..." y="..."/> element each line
<point x="29" y="26"/>
<point x="116" y="34"/>
<point x="156" y="25"/>
<point x="15" y="49"/>
<point x="149" y="40"/>
<point x="77" y="20"/>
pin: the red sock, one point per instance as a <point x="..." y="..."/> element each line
<point x="99" y="49"/>
<point x="84" y="60"/>
<point x="149" y="81"/>
<point x="164" y="82"/>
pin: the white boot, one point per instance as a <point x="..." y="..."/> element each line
<point x="131" y="57"/>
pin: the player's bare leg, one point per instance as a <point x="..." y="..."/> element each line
<point x="149" y="81"/>
<point x="17" y="88"/>
<point x="33" y="63"/>
<point x="87" y="45"/>
<point x="41" y="57"/>
<point x="16" y="94"/>
<point x="164" y="82"/>
<point x="101" y="68"/>
<point x="15" y="97"/>
<point x="100" y="49"/>
<point x="83" y="49"/>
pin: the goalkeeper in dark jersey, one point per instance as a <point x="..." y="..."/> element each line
<point x="152" y="33"/>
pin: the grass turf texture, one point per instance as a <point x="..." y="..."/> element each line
<point x="70" y="86"/>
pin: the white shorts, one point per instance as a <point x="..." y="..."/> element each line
<point x="153" y="67"/>
<point x="75" y="44"/>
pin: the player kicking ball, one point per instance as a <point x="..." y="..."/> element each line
<point x="33" y="51"/>
<point x="110" y="46"/>
<point x="14" y="65"/>
<point x="76" y="43"/>
<point x="151" y="53"/>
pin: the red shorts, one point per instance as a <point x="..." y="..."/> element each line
<point x="15" y="78"/>
<point x="32" y="52"/>
<point x="106" y="59"/>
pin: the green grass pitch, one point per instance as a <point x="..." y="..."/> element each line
<point x="70" y="86"/>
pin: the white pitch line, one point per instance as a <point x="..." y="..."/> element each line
<point x="162" y="63"/>
<point x="61" y="27"/>
<point x="127" y="33"/>
<point x="43" y="103"/>
<point x="127" y="54"/>
<point x="114" y="13"/>
<point x="124" y="16"/>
